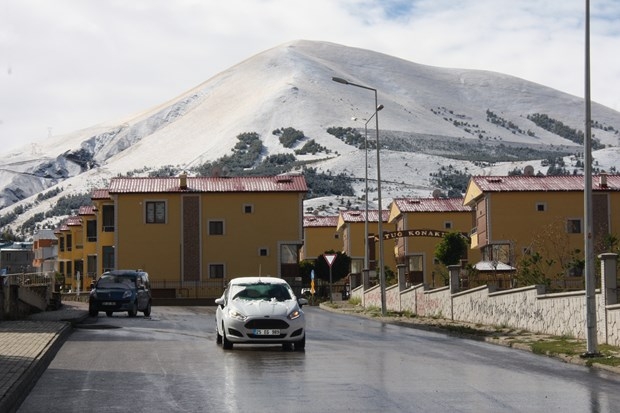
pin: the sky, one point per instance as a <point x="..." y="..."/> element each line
<point x="70" y="64"/>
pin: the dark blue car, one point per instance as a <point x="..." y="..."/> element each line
<point x="119" y="291"/>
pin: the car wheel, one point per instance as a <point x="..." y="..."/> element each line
<point x="218" y="336"/>
<point x="109" y="313"/>
<point x="301" y="344"/>
<point x="92" y="311"/>
<point x="147" y="310"/>
<point x="226" y="344"/>
<point x="134" y="310"/>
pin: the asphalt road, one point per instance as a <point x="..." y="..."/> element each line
<point x="171" y="363"/>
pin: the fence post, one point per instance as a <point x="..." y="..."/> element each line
<point x="454" y="272"/>
<point x="609" y="281"/>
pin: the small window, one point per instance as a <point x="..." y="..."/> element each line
<point x="263" y="252"/>
<point x="447" y="225"/>
<point x="216" y="227"/>
<point x="336" y="236"/>
<point x="155" y="212"/>
<point x="216" y="270"/>
<point x="573" y="226"/>
<point x="541" y="207"/>
<point x="248" y="209"/>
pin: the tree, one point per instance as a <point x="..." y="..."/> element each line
<point x="340" y="267"/>
<point x="451" y="249"/>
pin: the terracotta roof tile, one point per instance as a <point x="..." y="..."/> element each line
<point x="431" y="205"/>
<point x="100" y="194"/>
<point x="522" y="183"/>
<point x="87" y="210"/>
<point x="320" y="221"/>
<point x="280" y="183"/>
<point x="355" y="215"/>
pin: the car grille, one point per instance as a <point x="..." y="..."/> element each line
<point x="266" y="323"/>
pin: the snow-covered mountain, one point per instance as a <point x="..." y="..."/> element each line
<point x="430" y="115"/>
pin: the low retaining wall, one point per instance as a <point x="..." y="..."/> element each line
<point x="528" y="308"/>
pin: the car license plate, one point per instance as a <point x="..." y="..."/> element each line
<point x="108" y="303"/>
<point x="266" y="332"/>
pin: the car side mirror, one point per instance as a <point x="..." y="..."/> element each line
<point x="302" y="302"/>
<point x="220" y="301"/>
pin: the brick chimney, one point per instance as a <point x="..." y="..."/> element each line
<point x="183" y="180"/>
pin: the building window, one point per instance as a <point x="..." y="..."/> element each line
<point x="216" y="270"/>
<point x="263" y="252"/>
<point x="573" y="226"/>
<point x="336" y="235"/>
<point x="108" y="258"/>
<point x="357" y="265"/>
<point x="69" y="242"/>
<point x="447" y="225"/>
<point x="248" y="209"/>
<point x="91" y="266"/>
<point x="216" y="227"/>
<point x="155" y="212"/>
<point x="541" y="207"/>
<point x="91" y="230"/>
<point x="108" y="218"/>
<point x="61" y="245"/>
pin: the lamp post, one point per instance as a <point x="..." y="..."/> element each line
<point x="366" y="261"/>
<point x="380" y="219"/>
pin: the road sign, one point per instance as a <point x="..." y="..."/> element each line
<point x="330" y="259"/>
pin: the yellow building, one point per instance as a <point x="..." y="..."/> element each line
<point x="103" y="207"/>
<point x="517" y="216"/>
<point x="320" y="235"/>
<point x="88" y="220"/>
<point x="193" y="234"/>
<point x="420" y="224"/>
<point x="352" y="226"/>
<point x="69" y="235"/>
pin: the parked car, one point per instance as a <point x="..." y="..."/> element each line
<point x="121" y="290"/>
<point x="260" y="310"/>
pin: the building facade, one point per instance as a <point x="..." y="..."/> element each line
<point x="420" y="224"/>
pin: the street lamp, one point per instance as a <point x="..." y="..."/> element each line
<point x="380" y="219"/>
<point x="366" y="261"/>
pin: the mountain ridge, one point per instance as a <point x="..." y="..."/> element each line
<point x="290" y="86"/>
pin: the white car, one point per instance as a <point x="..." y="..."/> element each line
<point x="260" y="310"/>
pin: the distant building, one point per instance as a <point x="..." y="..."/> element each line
<point x="45" y="249"/>
<point x="17" y="258"/>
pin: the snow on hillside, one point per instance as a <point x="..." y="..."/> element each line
<point x="290" y="86"/>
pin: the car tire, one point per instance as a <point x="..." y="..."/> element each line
<point x="301" y="344"/>
<point x="226" y="344"/>
<point x="92" y="311"/>
<point x="134" y="310"/>
<point x="147" y="310"/>
<point x="109" y="313"/>
<point x="218" y="336"/>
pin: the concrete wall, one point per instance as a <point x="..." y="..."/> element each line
<point x="528" y="308"/>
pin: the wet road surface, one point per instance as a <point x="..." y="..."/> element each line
<point x="171" y="363"/>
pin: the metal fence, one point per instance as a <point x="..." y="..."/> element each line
<point x="27" y="279"/>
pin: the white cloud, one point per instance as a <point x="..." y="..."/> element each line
<point x="69" y="64"/>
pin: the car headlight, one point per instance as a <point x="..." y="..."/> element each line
<point x="295" y="314"/>
<point x="127" y="294"/>
<point x="232" y="313"/>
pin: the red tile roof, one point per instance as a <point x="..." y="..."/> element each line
<point x="87" y="210"/>
<point x="355" y="215"/>
<point x="74" y="221"/>
<point x="320" y="221"/>
<point x="522" y="183"/>
<point x="100" y="194"/>
<point x="431" y="205"/>
<point x="280" y="183"/>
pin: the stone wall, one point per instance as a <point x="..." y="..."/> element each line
<point x="528" y="308"/>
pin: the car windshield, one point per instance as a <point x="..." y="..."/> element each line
<point x="116" y="281"/>
<point x="278" y="292"/>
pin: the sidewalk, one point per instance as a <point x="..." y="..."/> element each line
<point x="28" y="346"/>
